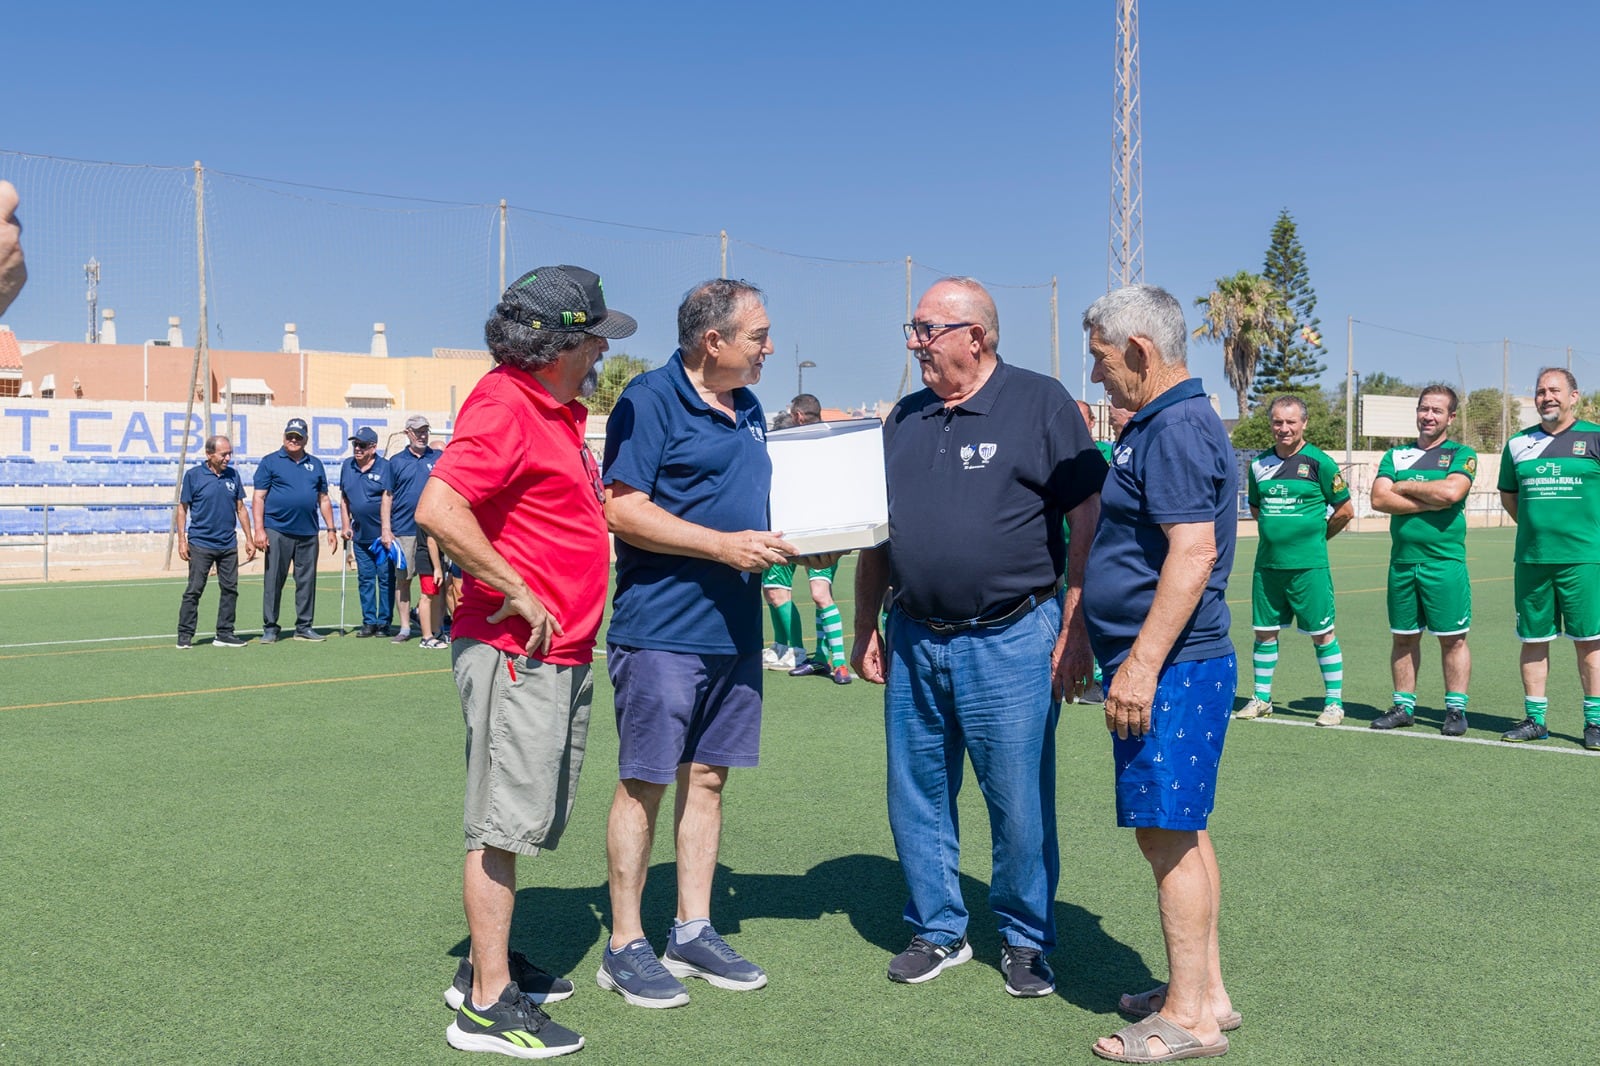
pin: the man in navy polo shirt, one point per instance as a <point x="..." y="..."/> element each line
<point x="211" y="501"/>
<point x="982" y="466"/>
<point x="1158" y="619"/>
<point x="291" y="487"/>
<point x="366" y="485"/>
<point x="687" y="479"/>
<point x="410" y="468"/>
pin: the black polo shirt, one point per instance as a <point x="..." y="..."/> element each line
<point x="977" y="493"/>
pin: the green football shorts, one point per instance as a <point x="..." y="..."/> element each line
<point x="1434" y="595"/>
<point x="1278" y="597"/>
<point x="778" y="577"/>
<point x="1557" y="598"/>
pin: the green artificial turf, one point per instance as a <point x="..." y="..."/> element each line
<point x="253" y="856"/>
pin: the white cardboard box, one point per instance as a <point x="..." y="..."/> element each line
<point x="828" y="491"/>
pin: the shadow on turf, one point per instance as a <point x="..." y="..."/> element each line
<point x="558" y="927"/>
<point x="1426" y="717"/>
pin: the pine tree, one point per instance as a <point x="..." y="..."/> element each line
<point x="1289" y="356"/>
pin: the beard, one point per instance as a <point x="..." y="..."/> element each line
<point x="591" y="381"/>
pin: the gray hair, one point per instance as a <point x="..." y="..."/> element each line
<point x="515" y="345"/>
<point x="711" y="305"/>
<point x="1146" y="311"/>
<point x="1572" y="382"/>
<point x="1289" y="401"/>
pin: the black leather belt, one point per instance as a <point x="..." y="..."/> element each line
<point x="989" y="621"/>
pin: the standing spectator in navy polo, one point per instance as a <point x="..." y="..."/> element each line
<point x="291" y="488"/>
<point x="210" y="503"/>
<point x="982" y="464"/>
<point x="366" y="485"/>
<point x="687" y="480"/>
<point x="1158" y="619"/>
<point x="410" y="468"/>
<point x="517" y="500"/>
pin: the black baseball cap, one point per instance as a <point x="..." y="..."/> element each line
<point x="564" y="299"/>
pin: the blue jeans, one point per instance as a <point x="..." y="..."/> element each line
<point x="375" y="583"/>
<point x="984" y="694"/>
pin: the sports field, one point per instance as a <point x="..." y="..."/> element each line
<point x="254" y="856"/>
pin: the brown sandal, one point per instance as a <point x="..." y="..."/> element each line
<point x="1139" y="1005"/>
<point x="1181" y="1043"/>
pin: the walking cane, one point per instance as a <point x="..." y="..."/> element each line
<point x="344" y="575"/>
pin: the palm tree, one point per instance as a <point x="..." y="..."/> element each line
<point x="1242" y="312"/>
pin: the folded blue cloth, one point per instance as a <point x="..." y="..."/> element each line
<point x="392" y="553"/>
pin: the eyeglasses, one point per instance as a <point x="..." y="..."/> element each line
<point x="924" y="331"/>
<point x="363" y="447"/>
<point x="297" y="438"/>
<point x="590" y="468"/>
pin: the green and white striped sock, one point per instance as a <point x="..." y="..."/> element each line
<point x="1265" y="658"/>
<point x="1330" y="660"/>
<point x="1406" y="701"/>
<point x="1535" y="706"/>
<point x="830" y="634"/>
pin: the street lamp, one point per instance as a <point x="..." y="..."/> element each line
<point x="801" y="366"/>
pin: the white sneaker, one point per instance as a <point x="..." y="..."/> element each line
<point x="769" y="656"/>
<point x="1256" y="708"/>
<point x="1332" y="714"/>
<point x="784" y="662"/>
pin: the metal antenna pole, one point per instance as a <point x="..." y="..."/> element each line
<point x="1125" y="259"/>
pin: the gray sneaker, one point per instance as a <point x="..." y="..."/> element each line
<point x="1027" y="971"/>
<point x="638" y="977"/>
<point x="709" y="957"/>
<point x="537" y="983"/>
<point x="924" y="960"/>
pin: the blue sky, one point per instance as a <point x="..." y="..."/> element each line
<point x="1439" y="158"/>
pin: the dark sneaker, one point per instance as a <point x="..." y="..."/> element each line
<point x="269" y="636"/>
<point x="1528" y="730"/>
<point x="367" y="631"/>
<point x="925" y="960"/>
<point x="537" y="984"/>
<point x="1396" y="717"/>
<point x="308" y="634"/>
<point x="637" y="976"/>
<point x="1455" y="724"/>
<point x="513" y="1025"/>
<point x="841" y="676"/>
<point x="183" y="645"/>
<point x="1027" y="971"/>
<point x="709" y="958"/>
<point x="229" y="641"/>
<point x="811" y="667"/>
<point x="1591" y="737"/>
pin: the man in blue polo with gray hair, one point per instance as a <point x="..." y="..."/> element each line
<point x="1158" y="619"/>
<point x="291" y="488"/>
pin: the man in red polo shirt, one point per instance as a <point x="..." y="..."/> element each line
<point x="516" y="500"/>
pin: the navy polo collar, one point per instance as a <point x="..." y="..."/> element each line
<point x="744" y="401"/>
<point x="980" y="402"/>
<point x="1186" y="389"/>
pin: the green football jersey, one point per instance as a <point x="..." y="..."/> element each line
<point x="1416" y="538"/>
<point x="1294" y="497"/>
<point x="1557" y="482"/>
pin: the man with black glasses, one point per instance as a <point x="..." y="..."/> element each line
<point x="980" y="646"/>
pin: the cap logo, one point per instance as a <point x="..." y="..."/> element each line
<point x="574" y="318"/>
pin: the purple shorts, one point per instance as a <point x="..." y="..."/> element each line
<point x="674" y="707"/>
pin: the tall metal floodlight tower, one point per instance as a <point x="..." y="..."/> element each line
<point x="91" y="274"/>
<point x="1125" y="260"/>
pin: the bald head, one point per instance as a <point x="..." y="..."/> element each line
<point x="968" y="301"/>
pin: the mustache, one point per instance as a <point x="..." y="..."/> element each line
<point x="591" y="381"/>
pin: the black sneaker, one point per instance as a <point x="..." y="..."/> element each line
<point x="308" y="634"/>
<point x="367" y="631"/>
<point x="1396" y="717"/>
<point x="1528" y="730"/>
<point x="183" y="645"/>
<point x="513" y="1025"/>
<point x="1027" y="971"/>
<point x="1455" y="723"/>
<point x="228" y="641"/>
<point x="1591" y="737"/>
<point x="925" y="960"/>
<point x="537" y="984"/>
<point x="812" y="667"/>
